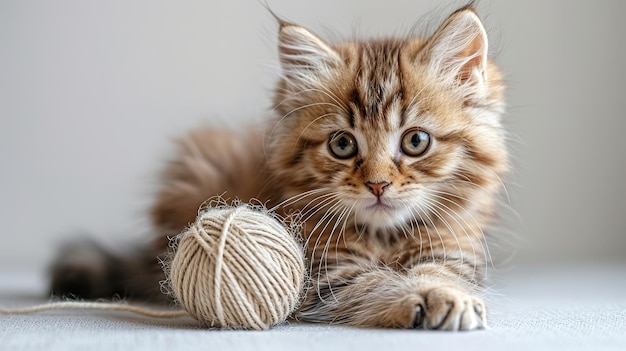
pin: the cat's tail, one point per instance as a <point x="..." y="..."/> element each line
<point x="86" y="270"/>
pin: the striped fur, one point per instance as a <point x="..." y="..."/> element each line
<point x="414" y="256"/>
<point x="418" y="259"/>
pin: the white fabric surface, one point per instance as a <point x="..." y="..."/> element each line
<point x="565" y="307"/>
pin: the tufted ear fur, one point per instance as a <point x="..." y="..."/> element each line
<point x="457" y="52"/>
<point x="305" y="58"/>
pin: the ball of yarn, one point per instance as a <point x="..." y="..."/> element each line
<point x="238" y="268"/>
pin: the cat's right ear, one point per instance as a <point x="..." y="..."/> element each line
<point x="304" y="57"/>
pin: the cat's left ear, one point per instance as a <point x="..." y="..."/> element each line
<point x="457" y="52"/>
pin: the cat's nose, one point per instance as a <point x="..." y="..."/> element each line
<point x="377" y="188"/>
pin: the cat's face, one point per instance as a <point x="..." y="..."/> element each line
<point x="389" y="131"/>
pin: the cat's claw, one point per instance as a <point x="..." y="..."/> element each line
<point x="418" y="320"/>
<point x="453" y="309"/>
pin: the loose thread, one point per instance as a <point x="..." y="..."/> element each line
<point x="104" y="306"/>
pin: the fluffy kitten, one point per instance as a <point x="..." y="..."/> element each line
<point x="392" y="149"/>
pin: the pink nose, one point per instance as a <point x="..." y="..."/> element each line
<point x="377" y="188"/>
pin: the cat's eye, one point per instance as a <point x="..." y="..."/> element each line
<point x="415" y="142"/>
<point x="342" y="145"/>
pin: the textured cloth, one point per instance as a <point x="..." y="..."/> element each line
<point x="569" y="308"/>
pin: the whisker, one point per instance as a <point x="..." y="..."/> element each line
<point x="442" y="207"/>
<point x="333" y="97"/>
<point x="320" y="221"/>
<point x="443" y="244"/>
<point x="483" y="243"/>
<point x="325" y="199"/>
<point x="310" y="124"/>
<point x="326" y="218"/>
<point x="413" y="212"/>
<point x="298" y="197"/>
<point x="327" y="247"/>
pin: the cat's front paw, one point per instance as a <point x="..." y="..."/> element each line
<point x="448" y="308"/>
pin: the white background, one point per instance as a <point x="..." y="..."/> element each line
<point x="92" y="92"/>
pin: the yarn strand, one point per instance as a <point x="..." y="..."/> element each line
<point x="219" y="259"/>
<point x="103" y="306"/>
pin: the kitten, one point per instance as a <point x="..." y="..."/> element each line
<point x="392" y="149"/>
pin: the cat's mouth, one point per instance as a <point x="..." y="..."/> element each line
<point x="381" y="213"/>
<point x="380" y="205"/>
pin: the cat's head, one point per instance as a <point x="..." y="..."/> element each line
<point x="390" y="130"/>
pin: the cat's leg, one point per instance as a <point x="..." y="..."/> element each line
<point x="428" y="296"/>
<point x="87" y="270"/>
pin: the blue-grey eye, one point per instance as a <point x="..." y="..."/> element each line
<point x="342" y="145"/>
<point x="415" y="142"/>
